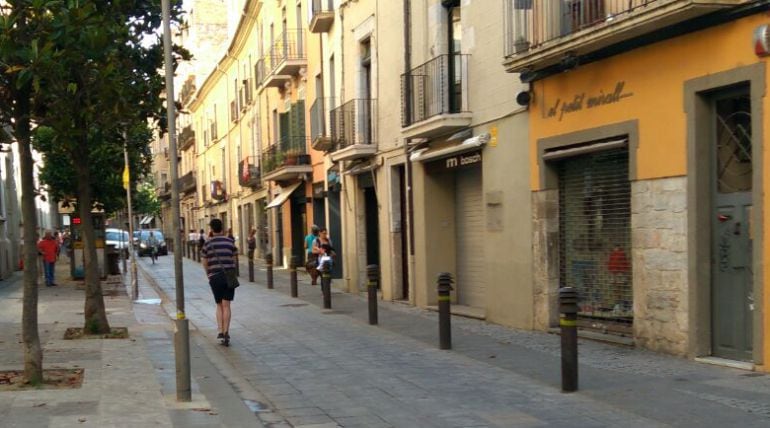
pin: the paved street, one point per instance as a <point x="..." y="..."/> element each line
<point x="315" y="367"/>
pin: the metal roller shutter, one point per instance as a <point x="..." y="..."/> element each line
<point x="595" y="238"/>
<point x="471" y="287"/>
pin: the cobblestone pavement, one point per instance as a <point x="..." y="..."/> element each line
<point x="330" y="368"/>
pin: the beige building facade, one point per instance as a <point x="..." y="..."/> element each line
<point x="408" y="146"/>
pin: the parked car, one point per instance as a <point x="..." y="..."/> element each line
<point x="140" y="240"/>
<point x="118" y="238"/>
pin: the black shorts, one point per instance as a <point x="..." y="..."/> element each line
<point x="219" y="287"/>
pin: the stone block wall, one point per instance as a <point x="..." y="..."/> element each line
<point x="545" y="256"/>
<point x="659" y="242"/>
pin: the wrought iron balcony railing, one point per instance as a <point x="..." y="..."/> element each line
<point x="320" y="123"/>
<point x="290" y="47"/>
<point x="354" y="123"/>
<point x="248" y="173"/>
<point x="288" y="151"/>
<point x="531" y="25"/>
<point x="437" y="87"/>
<point x="187" y="183"/>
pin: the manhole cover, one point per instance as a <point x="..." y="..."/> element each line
<point x="293" y="305"/>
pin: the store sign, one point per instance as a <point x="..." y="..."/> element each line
<point x="584" y="100"/>
<point x="452" y="163"/>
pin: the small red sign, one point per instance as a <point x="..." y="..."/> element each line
<point x="76" y="220"/>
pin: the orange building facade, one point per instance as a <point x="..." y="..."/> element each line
<point x="647" y="172"/>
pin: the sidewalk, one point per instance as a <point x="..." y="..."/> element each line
<point x="330" y="367"/>
<point x="127" y="382"/>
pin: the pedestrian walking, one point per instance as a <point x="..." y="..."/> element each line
<point x="152" y="244"/>
<point x="251" y="243"/>
<point x="311" y="259"/>
<point x="48" y="248"/>
<point x="218" y="254"/>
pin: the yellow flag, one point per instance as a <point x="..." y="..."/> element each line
<point x="126" y="177"/>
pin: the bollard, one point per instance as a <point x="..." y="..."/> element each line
<point x="444" y="318"/>
<point x="326" y="284"/>
<point x="293" y="276"/>
<point x="269" y="264"/>
<point x="373" y="273"/>
<point x="568" y="322"/>
<point x="197" y="253"/>
<point x="251" y="265"/>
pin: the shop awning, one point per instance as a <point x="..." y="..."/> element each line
<point x="467" y="145"/>
<point x="360" y="168"/>
<point x="584" y="149"/>
<point x="147" y="219"/>
<point x="284" y="195"/>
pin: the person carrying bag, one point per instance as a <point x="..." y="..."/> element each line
<point x="218" y="257"/>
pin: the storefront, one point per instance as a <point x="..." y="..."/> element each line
<point x="647" y="191"/>
<point x="458" y="168"/>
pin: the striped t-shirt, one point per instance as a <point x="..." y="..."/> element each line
<point x="219" y="251"/>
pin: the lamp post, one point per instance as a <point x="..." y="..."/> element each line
<point x="132" y="254"/>
<point x="182" y="334"/>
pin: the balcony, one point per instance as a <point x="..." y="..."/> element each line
<point x="286" y="58"/>
<point x="541" y="34"/>
<point x="321" y="16"/>
<point x="187" y="183"/>
<point x="186" y="138"/>
<point x="434" y="97"/>
<point x="286" y="160"/>
<point x="218" y="192"/>
<point x="320" y="124"/>
<point x="354" y="130"/>
<point x="248" y="173"/>
<point x="164" y="191"/>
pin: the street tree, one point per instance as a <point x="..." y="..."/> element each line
<point x="58" y="170"/>
<point x="104" y="83"/>
<point x="24" y="57"/>
<point x="145" y="199"/>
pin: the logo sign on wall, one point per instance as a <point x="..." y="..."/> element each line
<point x="460" y="161"/>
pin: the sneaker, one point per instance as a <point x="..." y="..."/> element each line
<point x="226" y="341"/>
<point x="221" y="336"/>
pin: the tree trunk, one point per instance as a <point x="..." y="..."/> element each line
<point x="33" y="353"/>
<point x="95" y="315"/>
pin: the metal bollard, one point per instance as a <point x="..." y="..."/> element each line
<point x="373" y="273"/>
<point x="568" y="298"/>
<point x="269" y="264"/>
<point x="293" y="276"/>
<point x="251" y="265"/>
<point x="444" y="317"/>
<point x="326" y="284"/>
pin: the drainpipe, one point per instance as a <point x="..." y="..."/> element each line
<point x="407" y="141"/>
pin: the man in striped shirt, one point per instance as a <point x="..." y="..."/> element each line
<point x="218" y="254"/>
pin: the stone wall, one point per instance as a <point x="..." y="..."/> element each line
<point x="545" y="249"/>
<point x="659" y="240"/>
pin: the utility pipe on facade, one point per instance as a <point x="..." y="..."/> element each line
<point x="182" y="333"/>
<point x="407" y="152"/>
